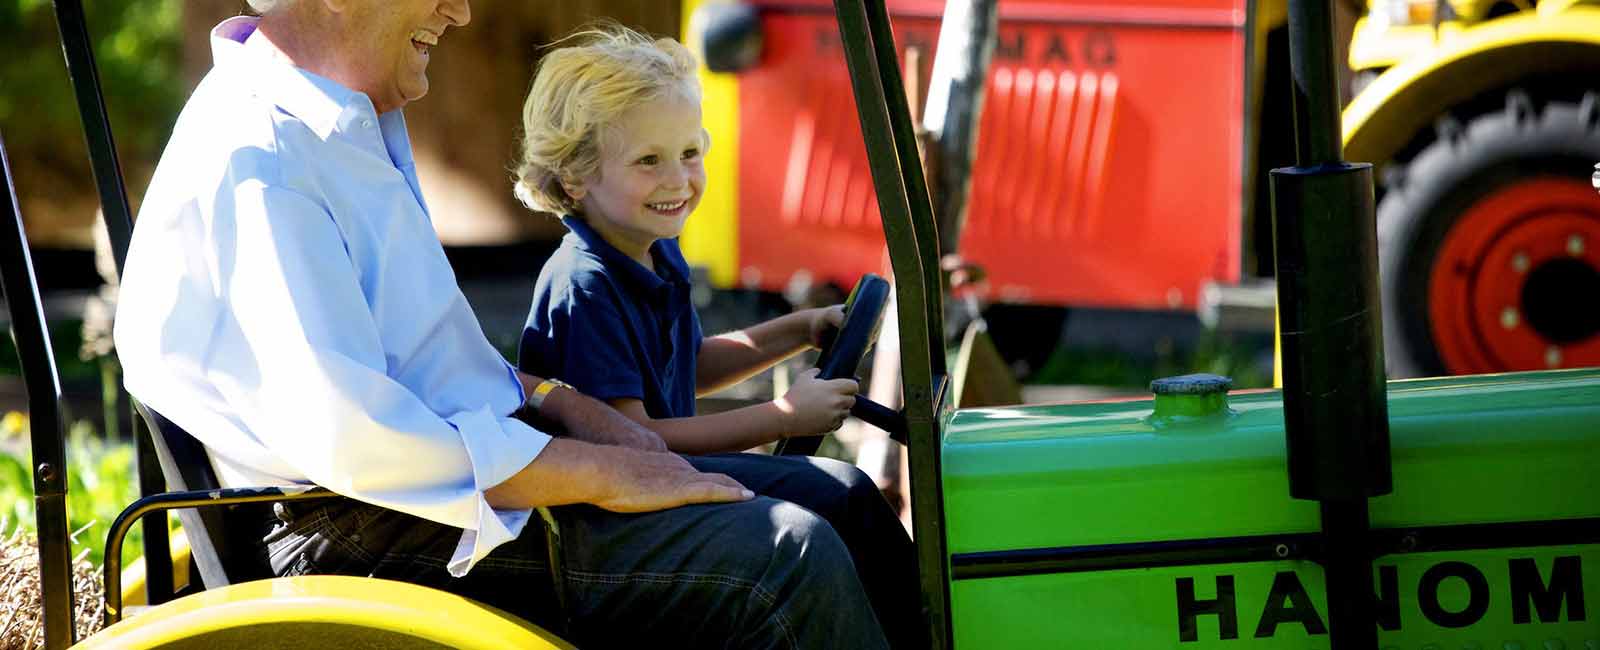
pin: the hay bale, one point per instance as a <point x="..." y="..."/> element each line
<point x="21" y="617"/>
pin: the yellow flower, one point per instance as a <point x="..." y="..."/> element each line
<point x="14" y="423"/>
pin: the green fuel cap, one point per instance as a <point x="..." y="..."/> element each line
<point x="1190" y="397"/>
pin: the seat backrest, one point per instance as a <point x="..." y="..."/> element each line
<point x="224" y="541"/>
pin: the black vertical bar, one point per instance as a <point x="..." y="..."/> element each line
<point x="923" y="225"/>
<point x="912" y="292"/>
<point x="1335" y="414"/>
<point x="30" y="334"/>
<point x="1347" y="571"/>
<point x="1335" y="410"/>
<point x="77" y="47"/>
<point x="1315" y="83"/>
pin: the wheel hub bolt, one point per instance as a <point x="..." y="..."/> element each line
<point x="1552" y="357"/>
<point x="1519" y="262"/>
<point x="1575" y="245"/>
<point x="1508" y="318"/>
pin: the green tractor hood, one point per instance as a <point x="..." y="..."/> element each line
<point x="1123" y="527"/>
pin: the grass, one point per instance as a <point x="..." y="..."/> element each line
<point x="1246" y="359"/>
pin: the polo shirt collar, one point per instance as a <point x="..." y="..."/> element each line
<point x="323" y="104"/>
<point x="589" y="239"/>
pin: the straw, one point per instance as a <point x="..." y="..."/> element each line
<point x="21" y="624"/>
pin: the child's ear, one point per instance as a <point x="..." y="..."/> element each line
<point x="573" y="188"/>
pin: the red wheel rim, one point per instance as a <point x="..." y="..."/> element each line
<point x="1490" y="287"/>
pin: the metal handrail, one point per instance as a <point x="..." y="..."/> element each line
<point x="44" y="411"/>
<point x="160" y="503"/>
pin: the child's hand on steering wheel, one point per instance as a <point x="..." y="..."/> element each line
<point x="821" y="321"/>
<point x="813" y="406"/>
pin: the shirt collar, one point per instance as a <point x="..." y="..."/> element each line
<point x="321" y="103"/>
<point x="589" y="239"/>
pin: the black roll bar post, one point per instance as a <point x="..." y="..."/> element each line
<point x="78" y="50"/>
<point x="28" y="331"/>
<point x="912" y="238"/>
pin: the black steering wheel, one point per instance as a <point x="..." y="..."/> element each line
<point x="842" y="355"/>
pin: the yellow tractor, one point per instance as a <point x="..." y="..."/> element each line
<point x="1486" y="113"/>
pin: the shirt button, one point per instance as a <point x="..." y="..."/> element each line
<point x="366" y="124"/>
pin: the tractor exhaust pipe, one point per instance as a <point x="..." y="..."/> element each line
<point x="1334" y="401"/>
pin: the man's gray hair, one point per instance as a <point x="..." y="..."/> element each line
<point x="265" y="7"/>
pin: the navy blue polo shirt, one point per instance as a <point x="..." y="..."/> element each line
<point x="613" y="328"/>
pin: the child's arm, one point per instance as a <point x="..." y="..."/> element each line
<point x="727" y="359"/>
<point x="811" y="407"/>
<point x="588" y="419"/>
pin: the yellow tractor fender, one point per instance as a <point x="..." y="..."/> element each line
<point x="323" y="612"/>
<point x="1408" y="97"/>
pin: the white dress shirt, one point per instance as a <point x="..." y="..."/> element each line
<point x="287" y="302"/>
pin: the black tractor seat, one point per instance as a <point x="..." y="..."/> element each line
<point x="225" y="542"/>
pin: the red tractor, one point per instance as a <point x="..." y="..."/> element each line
<point x="1097" y="154"/>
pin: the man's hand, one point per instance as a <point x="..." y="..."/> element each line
<point x="618" y="479"/>
<point x="650" y="481"/>
<point x="819" y="320"/>
<point x="591" y="420"/>
<point x="816" y="406"/>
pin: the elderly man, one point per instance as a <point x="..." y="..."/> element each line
<point x="287" y="302"/>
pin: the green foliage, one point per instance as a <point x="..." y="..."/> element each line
<point x="66" y="337"/>
<point x="137" y="49"/>
<point x="1239" y="357"/>
<point x="100" y="483"/>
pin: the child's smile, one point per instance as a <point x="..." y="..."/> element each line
<point x="651" y="175"/>
<point x="669" y="209"/>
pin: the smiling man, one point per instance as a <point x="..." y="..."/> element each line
<point x="287" y="302"/>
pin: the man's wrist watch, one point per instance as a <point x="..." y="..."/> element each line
<point x="536" y="398"/>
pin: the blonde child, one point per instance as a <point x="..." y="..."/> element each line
<point x="613" y="143"/>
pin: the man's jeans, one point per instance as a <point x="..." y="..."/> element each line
<point x="816" y="560"/>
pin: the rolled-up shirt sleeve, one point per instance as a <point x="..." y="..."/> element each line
<point x="301" y="359"/>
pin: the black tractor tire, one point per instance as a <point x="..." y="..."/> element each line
<point x="1426" y="197"/>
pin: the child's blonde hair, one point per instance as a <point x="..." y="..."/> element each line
<point x="577" y="92"/>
